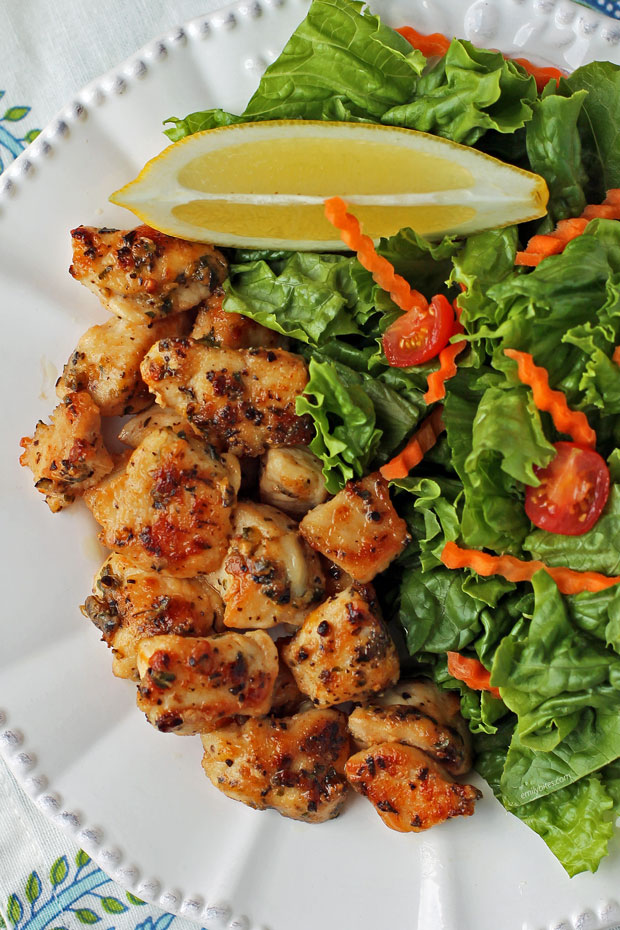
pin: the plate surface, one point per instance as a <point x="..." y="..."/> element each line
<point x="135" y="799"/>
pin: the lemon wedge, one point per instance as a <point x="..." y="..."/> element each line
<point x="262" y="185"/>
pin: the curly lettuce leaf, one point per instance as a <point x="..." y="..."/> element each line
<point x="466" y="93"/>
<point x="341" y="63"/>
<point x="308" y="296"/>
<point x="599" y="124"/>
<point x="554" y="151"/>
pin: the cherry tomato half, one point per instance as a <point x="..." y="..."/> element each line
<point x="572" y="493"/>
<point x="419" y="335"/>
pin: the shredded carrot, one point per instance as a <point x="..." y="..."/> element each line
<point x="513" y="569"/>
<point x="422" y="440"/>
<point x="472" y="672"/>
<point x="436" y="380"/>
<point x="542" y="76"/>
<point x="382" y="271"/>
<point x="616" y="355"/>
<point x="438" y="44"/>
<point x="572" y="422"/>
<point x="429" y="45"/>
<point x="553" y="243"/>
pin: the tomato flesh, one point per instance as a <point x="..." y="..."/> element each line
<point x="572" y="493"/>
<point x="419" y="335"/>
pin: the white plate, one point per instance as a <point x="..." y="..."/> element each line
<point x="135" y="799"/>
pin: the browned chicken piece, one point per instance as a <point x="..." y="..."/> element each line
<point x="141" y="274"/>
<point x="192" y="685"/>
<point x="294" y="765"/>
<point x="343" y="652"/>
<point x="358" y="529"/>
<point x="129" y="604"/>
<point x="68" y="456"/>
<point x="269" y="575"/>
<point x="410" y="791"/>
<point x="402" y="723"/>
<point x="247" y="396"/>
<point x="287" y="698"/>
<point x="134" y="430"/>
<point x="444" y="707"/>
<point x="106" y="363"/>
<point x="292" y="479"/>
<point x="169" y="509"/>
<point x="216" y="327"/>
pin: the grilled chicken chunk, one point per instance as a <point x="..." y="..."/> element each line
<point x="129" y="604"/>
<point x="170" y="508"/>
<point x="216" y="327"/>
<point x="358" y="529"/>
<point x="192" y="685"/>
<point x="410" y="791"/>
<point x="141" y="274"/>
<point x="134" y="431"/>
<point x="442" y="707"/>
<point x="106" y="363"/>
<point x="294" y="765"/>
<point x="400" y="723"/>
<point x="68" y="456"/>
<point x="247" y="396"/>
<point x="292" y="479"/>
<point x="269" y="575"/>
<point x="343" y="652"/>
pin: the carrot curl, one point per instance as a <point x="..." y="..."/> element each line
<point x="572" y="422"/>
<point x="422" y="440"/>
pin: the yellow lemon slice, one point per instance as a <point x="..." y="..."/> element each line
<point x="262" y="185"/>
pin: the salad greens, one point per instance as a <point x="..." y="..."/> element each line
<point x="550" y="747"/>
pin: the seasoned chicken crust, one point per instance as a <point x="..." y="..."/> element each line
<point x="68" y="456"/>
<point x="106" y="363"/>
<point x="269" y="574"/>
<point x="141" y="274"/>
<point x="409" y="790"/>
<point x="293" y="764"/>
<point x="170" y="508"/>
<point x="129" y="604"/>
<point x="215" y="326"/>
<point x="358" y="529"/>
<point x="343" y="651"/>
<point x="192" y="685"/>
<point x="246" y="396"/>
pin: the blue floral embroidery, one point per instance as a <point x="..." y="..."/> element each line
<point x="43" y="903"/>
<point x="11" y="141"/>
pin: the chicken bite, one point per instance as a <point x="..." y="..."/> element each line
<point x="358" y="529"/>
<point x="246" y="396"/>
<point x="294" y="765"/>
<point x="129" y="604"/>
<point x="292" y="479"/>
<point x="269" y="575"/>
<point x="409" y="790"/>
<point x="192" y="685"/>
<point x="403" y="723"/>
<point x="106" y="363"/>
<point x="215" y="326"/>
<point x="141" y="274"/>
<point x="67" y="456"/>
<point x="343" y="651"/>
<point x="169" y="509"/>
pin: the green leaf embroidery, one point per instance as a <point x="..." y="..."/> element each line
<point x="14" y="114"/>
<point x="86" y="916"/>
<point x="14" y="909"/>
<point x="32" y="135"/>
<point x="2" y="923"/>
<point x="59" y="870"/>
<point x="81" y="859"/>
<point x="113" y="906"/>
<point x="33" y="887"/>
<point x="133" y="899"/>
